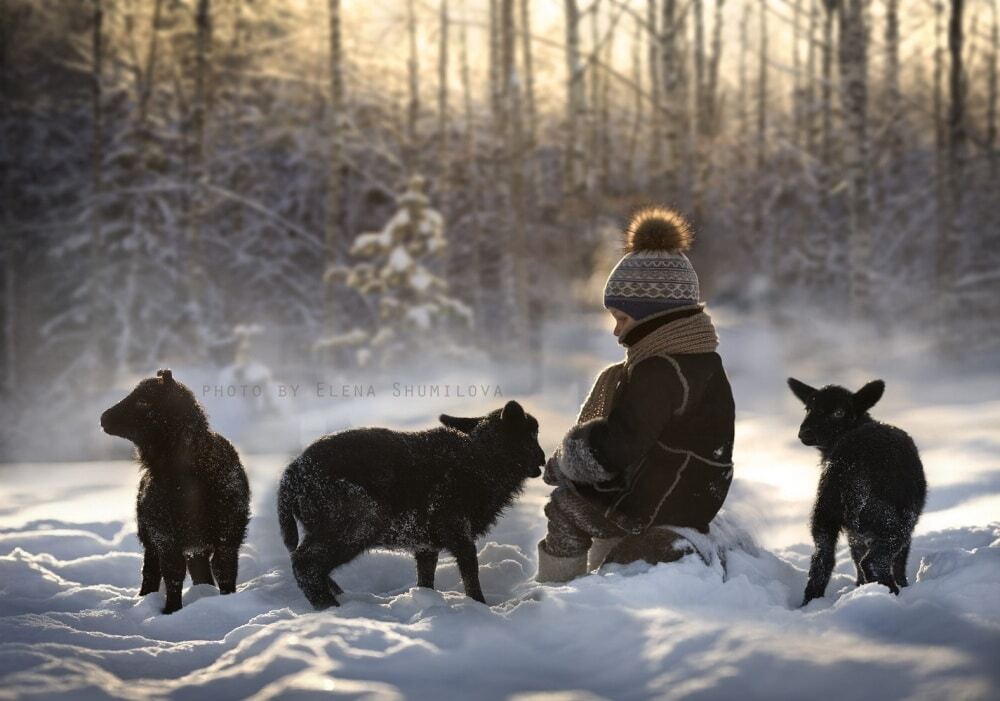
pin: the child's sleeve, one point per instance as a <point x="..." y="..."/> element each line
<point x="598" y="450"/>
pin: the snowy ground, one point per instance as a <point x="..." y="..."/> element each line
<point x="72" y="626"/>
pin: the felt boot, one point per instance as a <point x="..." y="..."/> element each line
<point x="559" y="569"/>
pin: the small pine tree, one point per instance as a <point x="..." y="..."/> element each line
<point x="411" y="308"/>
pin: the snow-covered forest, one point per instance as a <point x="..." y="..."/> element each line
<point x="323" y="214"/>
<point x="175" y="170"/>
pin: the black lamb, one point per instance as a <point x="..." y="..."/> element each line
<point x="194" y="500"/>
<point x="872" y="486"/>
<point x="422" y="491"/>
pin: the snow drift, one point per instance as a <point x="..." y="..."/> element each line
<point x="73" y="627"/>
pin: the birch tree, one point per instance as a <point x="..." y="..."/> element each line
<point x="853" y="60"/>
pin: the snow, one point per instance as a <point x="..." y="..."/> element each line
<point x="72" y="626"/>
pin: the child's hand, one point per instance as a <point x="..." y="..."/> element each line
<point x="552" y="475"/>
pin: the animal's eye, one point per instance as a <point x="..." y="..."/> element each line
<point x="838" y="414"/>
<point x="142" y="405"/>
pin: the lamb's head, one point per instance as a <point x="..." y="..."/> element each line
<point x="157" y="410"/>
<point x="833" y="410"/>
<point x="512" y="432"/>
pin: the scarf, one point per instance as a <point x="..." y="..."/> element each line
<point x="692" y="334"/>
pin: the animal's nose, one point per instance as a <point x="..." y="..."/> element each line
<point x="806" y="435"/>
<point x="535" y="472"/>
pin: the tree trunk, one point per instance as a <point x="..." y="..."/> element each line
<point x="529" y="73"/>
<point x="470" y="143"/>
<point x="334" y="190"/>
<point x="993" y="154"/>
<point x="706" y="119"/>
<point x="604" y="113"/>
<point x="826" y="112"/>
<point x="949" y="252"/>
<point x="444" y="156"/>
<point x="637" y="110"/>
<point x="893" y="95"/>
<point x="574" y="96"/>
<point x="96" y="186"/>
<point x="145" y="76"/>
<point x="590" y="154"/>
<point x="656" y="109"/>
<point x="514" y="133"/>
<point x="674" y="99"/>
<point x="810" y="82"/>
<point x="494" y="60"/>
<point x="196" y="234"/>
<point x="699" y="113"/>
<point x="853" y="57"/>
<point x="9" y="380"/>
<point x="760" y="234"/>
<point x="413" y="71"/>
<point x="797" y="81"/>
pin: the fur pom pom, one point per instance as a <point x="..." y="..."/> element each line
<point x="658" y="229"/>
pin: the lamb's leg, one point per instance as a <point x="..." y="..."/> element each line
<point x="312" y="562"/>
<point x="150" y="571"/>
<point x="225" y="564"/>
<point x="899" y="565"/>
<point x="858" y="549"/>
<point x="468" y="567"/>
<point x="173" y="567"/>
<point x="821" y="567"/>
<point x="427" y="561"/>
<point x="877" y="563"/>
<point x="199" y="569"/>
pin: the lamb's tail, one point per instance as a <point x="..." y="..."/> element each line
<point x="286" y="510"/>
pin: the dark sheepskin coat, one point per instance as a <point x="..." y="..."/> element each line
<point x="194" y="498"/>
<point x="872" y="486"/>
<point x="664" y="454"/>
<point x="423" y="491"/>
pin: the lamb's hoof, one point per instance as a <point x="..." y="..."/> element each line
<point x="143" y="590"/>
<point x="171" y="607"/>
<point x="324" y="603"/>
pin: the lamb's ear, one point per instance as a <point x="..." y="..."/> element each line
<point x="801" y="390"/>
<point x="465" y="425"/>
<point x="166" y="375"/>
<point x="868" y="396"/>
<point x="512" y="414"/>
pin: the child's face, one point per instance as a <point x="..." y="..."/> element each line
<point x="623" y="322"/>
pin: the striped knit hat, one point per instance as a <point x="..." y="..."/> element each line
<point x="654" y="276"/>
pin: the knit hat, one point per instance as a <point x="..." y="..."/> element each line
<point x="654" y="276"/>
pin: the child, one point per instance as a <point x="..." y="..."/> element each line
<point x="653" y="443"/>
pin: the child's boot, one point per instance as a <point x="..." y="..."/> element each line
<point x="554" y="569"/>
<point x="599" y="551"/>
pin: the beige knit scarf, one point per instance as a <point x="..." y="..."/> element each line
<point x="692" y="334"/>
